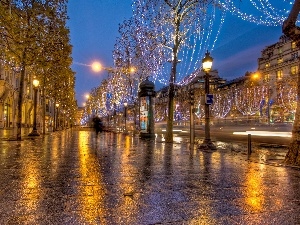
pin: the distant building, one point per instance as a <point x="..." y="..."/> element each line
<point x="79" y="115"/>
<point x="265" y="95"/>
<point x="7" y="96"/>
<point x="279" y="61"/>
<point x="279" y="68"/>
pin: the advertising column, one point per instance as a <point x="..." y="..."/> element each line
<point x="144" y="110"/>
<point x="146" y="95"/>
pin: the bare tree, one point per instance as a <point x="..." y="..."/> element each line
<point x="132" y="62"/>
<point x="169" y="25"/>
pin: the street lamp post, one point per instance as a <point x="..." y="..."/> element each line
<point x="269" y="101"/>
<point x="192" y="125"/>
<point x="252" y="80"/>
<point x="63" y="120"/>
<point x="34" y="131"/>
<point x="125" y="115"/>
<point x="206" y="65"/>
<point x="56" y="123"/>
<point x="192" y="89"/>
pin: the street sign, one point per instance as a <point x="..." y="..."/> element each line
<point x="209" y="99"/>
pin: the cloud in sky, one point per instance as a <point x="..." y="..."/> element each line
<point x="238" y="64"/>
<point x="239" y="53"/>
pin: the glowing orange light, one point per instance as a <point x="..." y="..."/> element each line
<point x="255" y="76"/>
<point x="132" y="69"/>
<point x="96" y="66"/>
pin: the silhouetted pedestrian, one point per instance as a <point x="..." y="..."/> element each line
<point x="98" y="125"/>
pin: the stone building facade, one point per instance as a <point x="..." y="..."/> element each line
<point x="279" y="68"/>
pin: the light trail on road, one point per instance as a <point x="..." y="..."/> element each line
<point x="265" y="133"/>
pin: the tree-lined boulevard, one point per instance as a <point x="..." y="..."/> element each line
<point x="200" y="150"/>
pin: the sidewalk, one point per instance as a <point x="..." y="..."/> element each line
<point x="10" y="134"/>
<point x="74" y="177"/>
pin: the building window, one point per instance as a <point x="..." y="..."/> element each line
<point x="267" y="65"/>
<point x="267" y="77"/>
<point x="280" y="60"/>
<point x="294" y="70"/>
<point x="279" y="74"/>
<point x="293" y="45"/>
<point x="279" y="50"/>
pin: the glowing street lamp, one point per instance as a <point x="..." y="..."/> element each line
<point x="255" y="76"/>
<point x="34" y="131"/>
<point x="206" y="66"/>
<point x="132" y="70"/>
<point x="96" y="66"/>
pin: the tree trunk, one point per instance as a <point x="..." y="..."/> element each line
<point x="44" y="112"/>
<point x="43" y="96"/>
<point x="293" y="155"/>
<point x="20" y="103"/>
<point x="169" y="132"/>
<point x="170" y="118"/>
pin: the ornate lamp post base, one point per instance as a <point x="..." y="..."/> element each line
<point x="34" y="133"/>
<point x="207" y="144"/>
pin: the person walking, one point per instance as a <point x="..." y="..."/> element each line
<point x="98" y="125"/>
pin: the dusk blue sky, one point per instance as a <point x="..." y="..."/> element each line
<point x="94" y="28"/>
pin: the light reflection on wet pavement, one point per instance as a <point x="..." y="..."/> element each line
<point x="74" y="177"/>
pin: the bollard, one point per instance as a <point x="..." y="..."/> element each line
<point x="249" y="145"/>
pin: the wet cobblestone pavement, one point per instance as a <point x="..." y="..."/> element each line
<point x="74" y="177"/>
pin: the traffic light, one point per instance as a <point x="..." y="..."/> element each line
<point x="192" y="96"/>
